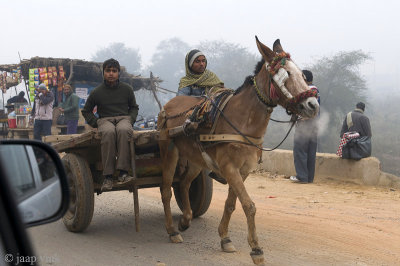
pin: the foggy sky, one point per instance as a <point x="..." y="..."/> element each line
<point x="307" y="29"/>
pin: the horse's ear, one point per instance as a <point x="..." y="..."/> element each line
<point x="277" y="46"/>
<point x="266" y="53"/>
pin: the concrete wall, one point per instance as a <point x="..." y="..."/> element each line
<point x="366" y="171"/>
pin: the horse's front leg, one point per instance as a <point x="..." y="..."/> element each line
<point x="230" y="203"/>
<point x="235" y="181"/>
<point x="169" y="155"/>
<point x="184" y="185"/>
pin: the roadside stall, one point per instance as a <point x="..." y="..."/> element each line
<point x="83" y="75"/>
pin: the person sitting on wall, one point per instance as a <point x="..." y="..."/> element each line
<point x="357" y="121"/>
<point x="355" y="135"/>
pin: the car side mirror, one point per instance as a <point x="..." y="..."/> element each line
<point x="37" y="180"/>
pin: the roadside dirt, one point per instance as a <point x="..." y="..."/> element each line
<point x="324" y="223"/>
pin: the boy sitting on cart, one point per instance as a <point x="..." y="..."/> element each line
<point x="117" y="111"/>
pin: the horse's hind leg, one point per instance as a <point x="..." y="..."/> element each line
<point x="226" y="243"/>
<point x="169" y="155"/>
<point x="186" y="218"/>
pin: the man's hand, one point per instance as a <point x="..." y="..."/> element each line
<point x="61" y="109"/>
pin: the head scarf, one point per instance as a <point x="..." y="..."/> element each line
<point x="206" y="79"/>
<point x="192" y="55"/>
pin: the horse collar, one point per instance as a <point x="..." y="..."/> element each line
<point x="261" y="96"/>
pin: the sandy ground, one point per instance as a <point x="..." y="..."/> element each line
<point x="325" y="223"/>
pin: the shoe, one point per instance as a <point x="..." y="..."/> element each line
<point x="107" y="184"/>
<point x="294" y="179"/>
<point x="124" y="177"/>
<point x="217" y="178"/>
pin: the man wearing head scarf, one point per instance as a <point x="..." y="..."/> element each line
<point x="198" y="79"/>
<point x="42" y="112"/>
<point x="197" y="82"/>
<point x="305" y="143"/>
<point x="357" y="121"/>
<point x="117" y="111"/>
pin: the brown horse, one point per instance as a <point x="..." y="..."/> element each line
<point x="277" y="81"/>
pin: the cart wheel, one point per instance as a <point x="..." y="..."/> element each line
<point x="200" y="194"/>
<point x="81" y="205"/>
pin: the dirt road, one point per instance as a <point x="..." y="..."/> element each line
<point x="325" y="223"/>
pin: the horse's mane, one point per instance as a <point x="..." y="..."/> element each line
<point x="248" y="80"/>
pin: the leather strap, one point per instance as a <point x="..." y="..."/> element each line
<point x="349" y="121"/>
<point x="221" y="108"/>
<point x="229" y="138"/>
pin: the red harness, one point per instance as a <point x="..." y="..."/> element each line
<point x="313" y="92"/>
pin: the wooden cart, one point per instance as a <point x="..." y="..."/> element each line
<point x="82" y="161"/>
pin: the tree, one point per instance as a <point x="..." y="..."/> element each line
<point x="385" y="124"/>
<point x="229" y="61"/>
<point x="127" y="57"/>
<point x="339" y="80"/>
<point x="168" y="62"/>
<point x="341" y="86"/>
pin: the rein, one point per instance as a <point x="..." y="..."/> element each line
<point x="279" y="75"/>
<point x="247" y="138"/>
<point x="277" y="63"/>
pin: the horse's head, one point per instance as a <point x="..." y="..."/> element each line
<point x="288" y="82"/>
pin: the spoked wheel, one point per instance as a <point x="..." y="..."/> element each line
<point x="200" y="194"/>
<point x="81" y="205"/>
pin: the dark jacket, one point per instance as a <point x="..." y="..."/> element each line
<point x="17" y="99"/>
<point x="360" y="124"/>
<point x="110" y="102"/>
<point x="71" y="107"/>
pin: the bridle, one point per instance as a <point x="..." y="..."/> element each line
<point x="279" y="76"/>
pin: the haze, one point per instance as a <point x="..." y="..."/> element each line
<point x="307" y="29"/>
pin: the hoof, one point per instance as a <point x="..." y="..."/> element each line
<point x="181" y="226"/>
<point x="227" y="246"/>
<point x="176" y="238"/>
<point x="257" y="256"/>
